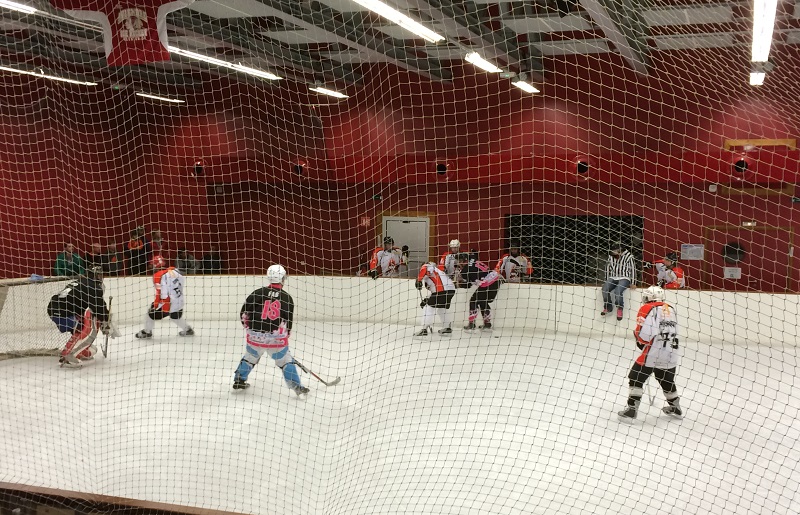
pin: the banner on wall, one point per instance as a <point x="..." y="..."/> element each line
<point x="134" y="31"/>
<point x="692" y="252"/>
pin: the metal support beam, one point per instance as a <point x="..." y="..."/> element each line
<point x="621" y="23"/>
<point x="299" y="14"/>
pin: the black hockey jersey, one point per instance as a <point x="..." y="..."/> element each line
<point x="76" y="297"/>
<point x="266" y="309"/>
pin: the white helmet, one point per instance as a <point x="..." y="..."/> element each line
<point x="653" y="294"/>
<point x="276" y="274"/>
<point x="454" y="243"/>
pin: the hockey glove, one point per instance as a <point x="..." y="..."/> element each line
<point x="423" y="303"/>
<point x="418" y="285"/>
<point x="661" y="283"/>
<point x="373" y="273"/>
<point x="405" y="249"/>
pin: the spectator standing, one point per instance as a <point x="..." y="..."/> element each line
<point x="185" y="262"/>
<point x="95" y="257"/>
<point x="113" y="259"/>
<point x="212" y="261"/>
<point x="68" y="263"/>
<point x="137" y="252"/>
<point x="620" y="274"/>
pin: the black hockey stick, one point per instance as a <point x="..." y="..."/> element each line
<point x="104" y="347"/>
<point x="318" y="378"/>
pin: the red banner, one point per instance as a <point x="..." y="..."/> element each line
<point x="135" y="30"/>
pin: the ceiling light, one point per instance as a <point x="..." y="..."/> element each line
<point x="763" y="25"/>
<point x="481" y="63"/>
<point x="757" y="78"/>
<point x="328" y="92"/>
<point x="224" y="64"/>
<point x="154" y="97"/>
<point x="524" y="86"/>
<point x="401" y="19"/>
<point x="749" y="224"/>
<point x="42" y="75"/>
<point x="8" y="4"/>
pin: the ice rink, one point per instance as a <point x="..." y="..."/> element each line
<point x="512" y="421"/>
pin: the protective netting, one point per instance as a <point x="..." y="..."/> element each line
<point x="646" y="137"/>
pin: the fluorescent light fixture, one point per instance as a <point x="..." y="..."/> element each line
<point x="524" y="86"/>
<point x="757" y="78"/>
<point x="401" y="19"/>
<point x="328" y="92"/>
<point x="51" y="77"/>
<point x="225" y="64"/>
<point x="481" y="63"/>
<point x="155" y="97"/>
<point x="8" y="4"/>
<point x="749" y="224"/>
<point x="763" y="25"/>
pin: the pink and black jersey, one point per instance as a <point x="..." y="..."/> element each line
<point x="267" y="310"/>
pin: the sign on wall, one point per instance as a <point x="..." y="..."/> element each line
<point x="732" y="272"/>
<point x="692" y="251"/>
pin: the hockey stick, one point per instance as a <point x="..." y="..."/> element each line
<point x="649" y="393"/>
<point x="318" y="378"/>
<point x="104" y="347"/>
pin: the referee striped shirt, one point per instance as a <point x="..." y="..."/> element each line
<point x="621" y="267"/>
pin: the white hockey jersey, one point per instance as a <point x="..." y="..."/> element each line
<point x="448" y="263"/>
<point x="171" y="285"/>
<point x="387" y="261"/>
<point x="657" y="335"/>
<point x="513" y="268"/>
<point x="435" y="279"/>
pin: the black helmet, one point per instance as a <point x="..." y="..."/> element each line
<point x="672" y="256"/>
<point x="94" y="272"/>
<point x="388" y="240"/>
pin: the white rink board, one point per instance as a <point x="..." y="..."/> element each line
<point x="721" y="317"/>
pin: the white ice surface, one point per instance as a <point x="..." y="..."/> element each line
<point x="508" y="422"/>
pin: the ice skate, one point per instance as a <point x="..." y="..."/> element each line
<point x="487" y="326"/>
<point x="470" y="326"/>
<point x="630" y="412"/>
<point x="188" y="332"/>
<point x="673" y="409"/>
<point x="143" y="335"/>
<point x="300" y="390"/>
<point x="446" y="331"/>
<point x="619" y="313"/>
<point x="422" y="333"/>
<point x="240" y="384"/>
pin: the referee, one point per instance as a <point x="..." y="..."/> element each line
<point x="620" y="272"/>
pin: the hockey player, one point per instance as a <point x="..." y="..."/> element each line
<point x="448" y="263"/>
<point x="670" y="275"/>
<point x="267" y="316"/>
<point x="442" y="291"/>
<point x="170" y="285"/>
<point x="656" y="336"/>
<point x="488" y="283"/>
<point x="514" y="266"/>
<point x="80" y="309"/>
<point x="385" y="260"/>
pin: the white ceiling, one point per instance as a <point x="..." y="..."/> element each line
<point x="691" y="16"/>
<point x="302" y="37"/>
<point x="231" y="8"/>
<point x="695" y="41"/>
<point x="574" y="46"/>
<point x="547" y="24"/>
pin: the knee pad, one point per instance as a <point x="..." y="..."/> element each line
<point x="671" y="396"/>
<point x="176" y="315"/>
<point x="635" y="392"/>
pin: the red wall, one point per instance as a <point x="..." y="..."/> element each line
<point x="82" y="166"/>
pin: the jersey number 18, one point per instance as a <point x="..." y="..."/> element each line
<point x="272" y="310"/>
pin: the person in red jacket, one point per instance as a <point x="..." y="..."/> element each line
<point x="670" y="275"/>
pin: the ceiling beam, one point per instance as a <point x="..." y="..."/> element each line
<point x="466" y="22"/>
<point x="274" y="55"/>
<point x="622" y="24"/>
<point x="301" y="15"/>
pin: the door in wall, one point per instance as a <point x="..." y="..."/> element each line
<point x="413" y="231"/>
<point x="747" y="259"/>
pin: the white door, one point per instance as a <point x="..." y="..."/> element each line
<point x="413" y="231"/>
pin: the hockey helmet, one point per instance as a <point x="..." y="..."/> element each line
<point x="672" y="256"/>
<point x="454" y="244"/>
<point x="653" y="294"/>
<point x="95" y="272"/>
<point x="276" y="274"/>
<point x="158" y="262"/>
<point x="462" y="257"/>
<point x="388" y="241"/>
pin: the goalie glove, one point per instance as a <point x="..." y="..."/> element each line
<point x="373" y="273"/>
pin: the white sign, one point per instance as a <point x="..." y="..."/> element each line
<point x="692" y="251"/>
<point x="732" y="272"/>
